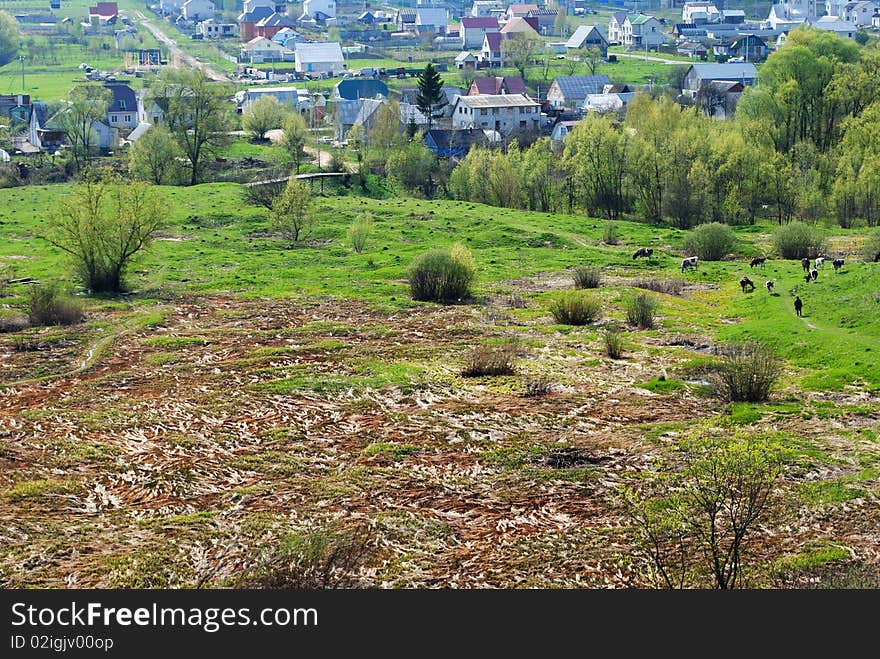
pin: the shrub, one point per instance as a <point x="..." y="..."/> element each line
<point x="872" y="246"/>
<point x="48" y="305"/>
<point x="797" y="240"/>
<point x="490" y="360"/>
<point x="575" y="308"/>
<point x="641" y="310"/>
<point x="672" y="286"/>
<point x="746" y="372"/>
<point x="359" y="232"/>
<point x="609" y="233"/>
<point x="10" y="324"/>
<point x="613" y="341"/>
<point x="710" y="242"/>
<point x="322" y="559"/>
<point x="587" y="277"/>
<point x="440" y="275"/>
<point x="538" y="385"/>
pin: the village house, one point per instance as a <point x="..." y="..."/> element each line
<point x="431" y="20"/>
<point x="466" y="60"/>
<point x="859" y="14"/>
<point x="197" y="10"/>
<point x="15" y="107"/>
<point x="504" y="113"/>
<point x="122" y="112"/>
<point x="254" y="12"/>
<point x="588" y="36"/>
<point x="699" y="75"/>
<point x="211" y="29"/>
<point x="272" y="24"/>
<point x="569" y="92"/>
<point x="293" y="97"/>
<point x="641" y="31"/>
<point x="474" y="30"/>
<point x="497" y="85"/>
<point x="519" y="11"/>
<point x="353" y="89"/>
<point x="718" y="98"/>
<point x="527" y="26"/>
<point x="485" y="8"/>
<point x="445" y="143"/>
<point x="491" y="53"/>
<point x="748" y="46"/>
<point x="261" y="49"/>
<point x="700" y="13"/>
<point x="319" y="10"/>
<point x="323" y="57"/>
<point x="615" y="28"/>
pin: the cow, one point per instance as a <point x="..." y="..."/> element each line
<point x="643" y="252"/>
<point x="837" y="263"/>
<point x="769" y="285"/>
<point x="798" y="305"/>
<point x="805" y="264"/>
<point x="758" y="260"/>
<point x="820" y="262"/>
<point x="689" y="262"/>
<point x="814" y="274"/>
<point x="877" y="258"/>
<point x="745" y="282"/>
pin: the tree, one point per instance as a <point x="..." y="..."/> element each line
<point x="430" y="99"/>
<point x="520" y="49"/>
<point x="293" y="139"/>
<point x="103" y="225"/>
<point x="592" y="57"/>
<point x="10" y="36"/>
<point x="694" y="525"/>
<point x="154" y="157"/>
<point x="88" y="104"/>
<point x="195" y="111"/>
<point x="596" y="154"/>
<point x="412" y="167"/>
<point x="263" y="115"/>
<point x="384" y="137"/>
<point x="560" y="23"/>
<point x="292" y="211"/>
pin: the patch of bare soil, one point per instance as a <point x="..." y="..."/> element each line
<point x="186" y="445"/>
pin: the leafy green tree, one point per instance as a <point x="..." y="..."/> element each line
<point x="263" y="115"/>
<point x="294" y="136"/>
<point x="592" y="57"/>
<point x="196" y="111"/>
<point x="155" y="157"/>
<point x="596" y="154"/>
<point x="520" y="50"/>
<point x="694" y="526"/>
<point x="292" y="212"/>
<point x="430" y="100"/>
<point x="413" y="168"/>
<point x="103" y="225"/>
<point x="10" y="37"/>
<point x="87" y="105"/>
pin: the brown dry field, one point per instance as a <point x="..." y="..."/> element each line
<point x="155" y="463"/>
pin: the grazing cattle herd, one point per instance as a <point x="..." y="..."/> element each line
<point x="747" y="285"/>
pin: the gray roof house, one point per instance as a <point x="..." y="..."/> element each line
<point x="123" y="110"/>
<point x="569" y="92"/>
<point x="699" y="75"/>
<point x="354" y="113"/>
<point x="587" y="36"/>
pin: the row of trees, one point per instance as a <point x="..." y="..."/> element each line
<point x="793" y="151"/>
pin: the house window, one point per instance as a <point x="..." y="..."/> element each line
<point x="127" y="118"/>
<point x="112" y="118"/>
<point x="121" y="105"/>
<point x="522" y="124"/>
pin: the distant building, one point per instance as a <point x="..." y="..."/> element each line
<point x="248" y="19"/>
<point x="353" y="89"/>
<point x="294" y="97"/>
<point x="454" y="143"/>
<point x="504" y="113"/>
<point x="569" y="92"/>
<point x="197" y="10"/>
<point x="474" y="30"/>
<point x="261" y="49"/>
<point x="270" y="25"/>
<point x="699" y="75"/>
<point x="642" y="31"/>
<point x="465" y="60"/>
<point x="211" y="29"/>
<point x="588" y="36"/>
<point x="15" y="107"/>
<point x="122" y="113"/>
<point x="431" y="20"/>
<point x="325" y="57"/>
<point x="497" y="85"/>
<point x="318" y="9"/>
<point x="615" y="28"/>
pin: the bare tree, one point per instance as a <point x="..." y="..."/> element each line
<point x="88" y="105"/>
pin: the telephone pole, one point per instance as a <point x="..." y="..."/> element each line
<point x="21" y="59"/>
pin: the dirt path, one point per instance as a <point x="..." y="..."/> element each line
<point x="321" y="158"/>
<point x="176" y="51"/>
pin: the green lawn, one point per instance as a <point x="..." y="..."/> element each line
<point x="218" y="245"/>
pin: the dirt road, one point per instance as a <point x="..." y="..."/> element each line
<point x="177" y="52"/>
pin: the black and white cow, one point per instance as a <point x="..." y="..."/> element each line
<point x="689" y="262"/>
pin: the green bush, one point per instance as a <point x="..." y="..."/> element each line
<point x="442" y="275"/>
<point x="613" y="342"/>
<point x="359" y="232"/>
<point x="585" y="277"/>
<point x="641" y="311"/>
<point x="575" y="308"/>
<point x="871" y="249"/>
<point x="710" y="242"/>
<point x="609" y="233"/>
<point x="746" y="372"/>
<point x="797" y="240"/>
<point x="48" y="305"/>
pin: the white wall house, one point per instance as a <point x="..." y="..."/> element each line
<point x="474" y="30"/>
<point x="504" y="113"/>
<point x="312" y="8"/>
<point x="323" y="57"/>
<point x="197" y="10"/>
<point x="261" y="49"/>
<point x="700" y="13"/>
<point x="641" y="30"/>
<point x="211" y="29"/>
<point x="859" y="13"/>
